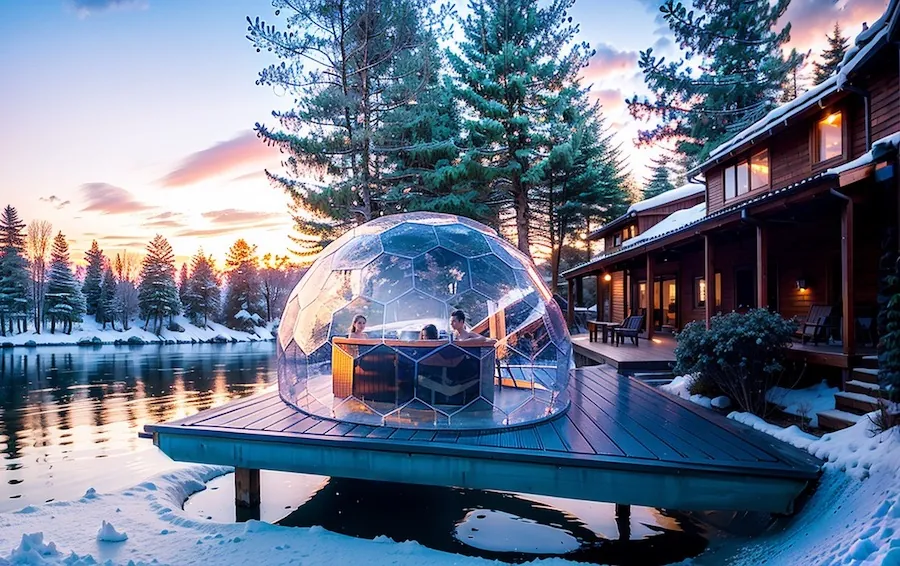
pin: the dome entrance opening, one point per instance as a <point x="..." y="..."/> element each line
<point x="368" y="334"/>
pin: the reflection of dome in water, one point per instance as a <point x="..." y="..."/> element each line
<point x="402" y="273"/>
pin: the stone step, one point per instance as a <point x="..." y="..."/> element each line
<point x="834" y="419"/>
<point x="869" y="362"/>
<point x="864" y="387"/>
<point x="868" y="375"/>
<point x="855" y="402"/>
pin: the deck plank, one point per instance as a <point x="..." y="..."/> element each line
<point x="230" y="416"/>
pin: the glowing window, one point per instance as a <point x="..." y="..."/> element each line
<point x="759" y="170"/>
<point x="829" y="134"/>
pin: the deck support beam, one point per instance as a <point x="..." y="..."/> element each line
<point x="651" y="299"/>
<point x="570" y="303"/>
<point x="246" y="487"/>
<point x="762" y="267"/>
<point x="710" y="276"/>
<point x="623" y="521"/>
<point x="848" y="320"/>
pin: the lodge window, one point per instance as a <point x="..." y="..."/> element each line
<point x="699" y="292"/>
<point x="718" y="291"/>
<point x="617" y="239"/>
<point x="630" y="232"/>
<point x="829" y="137"/>
<point x="748" y="175"/>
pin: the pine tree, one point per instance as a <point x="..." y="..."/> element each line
<point x="38" y="237"/>
<point x="201" y="300"/>
<point x="92" y="277"/>
<point x="659" y="181"/>
<point x="125" y="303"/>
<point x="14" y="305"/>
<point x="64" y="302"/>
<point x="157" y="292"/>
<point x="358" y="51"/>
<point x="582" y="174"/>
<point x="183" y="282"/>
<point x="514" y="59"/>
<point x="733" y="75"/>
<point x="889" y="317"/>
<point x="831" y="57"/>
<point x="106" y="313"/>
<point x="242" y="294"/>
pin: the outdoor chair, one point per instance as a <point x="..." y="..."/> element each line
<point x="630" y="328"/>
<point x="816" y="324"/>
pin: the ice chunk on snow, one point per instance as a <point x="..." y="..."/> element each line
<point x="721" y="402"/>
<point x="108" y="533"/>
<point x="502" y="532"/>
<point x="32" y="550"/>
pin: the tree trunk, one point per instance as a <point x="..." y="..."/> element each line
<point x="522" y="214"/>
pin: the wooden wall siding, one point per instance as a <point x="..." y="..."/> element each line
<point x="789" y="156"/>
<point x="885" y="101"/>
<point x="618" y="296"/>
<point x="692" y="266"/>
<point x="868" y="236"/>
<point x="715" y="190"/>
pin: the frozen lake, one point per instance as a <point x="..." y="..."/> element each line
<point x="69" y="419"/>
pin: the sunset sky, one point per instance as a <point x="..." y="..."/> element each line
<point x="124" y="118"/>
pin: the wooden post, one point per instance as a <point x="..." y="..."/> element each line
<point x="570" y="309"/>
<point x="246" y="487"/>
<point x="710" y="276"/>
<point x="601" y="314"/>
<point x="579" y="291"/>
<point x="623" y="521"/>
<point x="762" y="267"/>
<point x="848" y="330"/>
<point x="651" y="303"/>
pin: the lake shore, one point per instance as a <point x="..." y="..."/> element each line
<point x="89" y="333"/>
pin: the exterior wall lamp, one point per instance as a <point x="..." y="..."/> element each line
<point x="607" y="277"/>
<point x="801" y="284"/>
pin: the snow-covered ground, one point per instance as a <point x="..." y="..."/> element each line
<point x="89" y="329"/>
<point x="151" y="528"/>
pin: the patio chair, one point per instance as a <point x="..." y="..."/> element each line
<point x="816" y="324"/>
<point x="630" y="328"/>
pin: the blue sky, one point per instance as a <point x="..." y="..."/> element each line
<point x="125" y="118"/>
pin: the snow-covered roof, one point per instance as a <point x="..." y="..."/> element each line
<point x="667" y="197"/>
<point x="865" y="43"/>
<point x="670" y="223"/>
<point x="879" y="148"/>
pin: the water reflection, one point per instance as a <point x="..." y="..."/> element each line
<point x="69" y="416"/>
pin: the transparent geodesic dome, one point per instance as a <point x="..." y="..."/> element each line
<point x="404" y="272"/>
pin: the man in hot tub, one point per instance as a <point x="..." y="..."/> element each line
<point x="458" y="324"/>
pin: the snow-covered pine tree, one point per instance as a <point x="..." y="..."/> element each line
<point x="515" y="57"/>
<point x="93" y="276"/>
<point x="659" y="181"/>
<point x="125" y="303"/>
<point x="63" y="302"/>
<point x="242" y="297"/>
<point x="157" y="292"/>
<point x="106" y="312"/>
<point x="831" y="57"/>
<point x="37" y="240"/>
<point x="202" y="296"/>
<point x="733" y="78"/>
<point x="14" y="304"/>
<point x="183" y="282"/>
<point x="335" y="167"/>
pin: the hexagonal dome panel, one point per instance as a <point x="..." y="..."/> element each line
<point x="405" y="273"/>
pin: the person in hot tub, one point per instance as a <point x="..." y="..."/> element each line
<point x="428" y="332"/>
<point x="458" y="324"/>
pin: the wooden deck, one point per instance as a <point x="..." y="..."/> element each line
<point x="652" y="355"/>
<point x="621" y="441"/>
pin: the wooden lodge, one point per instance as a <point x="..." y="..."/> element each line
<point x="792" y="214"/>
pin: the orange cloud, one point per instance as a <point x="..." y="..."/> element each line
<point x="812" y="19"/>
<point x="611" y="99"/>
<point x="234" y="216"/>
<point x="242" y="150"/>
<point x="103" y="197"/>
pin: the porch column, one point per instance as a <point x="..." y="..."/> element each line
<point x="762" y="267"/>
<point x="710" y="276"/>
<point x="246" y="487"/>
<point x="570" y="302"/>
<point x="601" y="314"/>
<point x="651" y="307"/>
<point x="848" y="322"/>
<point x="579" y="291"/>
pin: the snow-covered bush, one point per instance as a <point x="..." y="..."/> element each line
<point x="740" y="355"/>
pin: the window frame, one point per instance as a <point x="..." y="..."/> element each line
<point x="732" y="172"/>
<point x="617" y="239"/>
<point x="817" y="163"/>
<point x="698" y="283"/>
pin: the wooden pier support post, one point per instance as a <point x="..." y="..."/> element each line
<point x="623" y="520"/>
<point x="246" y="487"/>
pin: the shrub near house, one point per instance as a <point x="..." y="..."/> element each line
<point x="740" y="355"/>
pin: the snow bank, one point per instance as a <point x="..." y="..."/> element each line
<point x="680" y="387"/>
<point x="89" y="332"/>
<point x="661" y="199"/>
<point x="804" y="402"/>
<point x="854" y="515"/>
<point x="108" y="533"/>
<point x="159" y="532"/>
